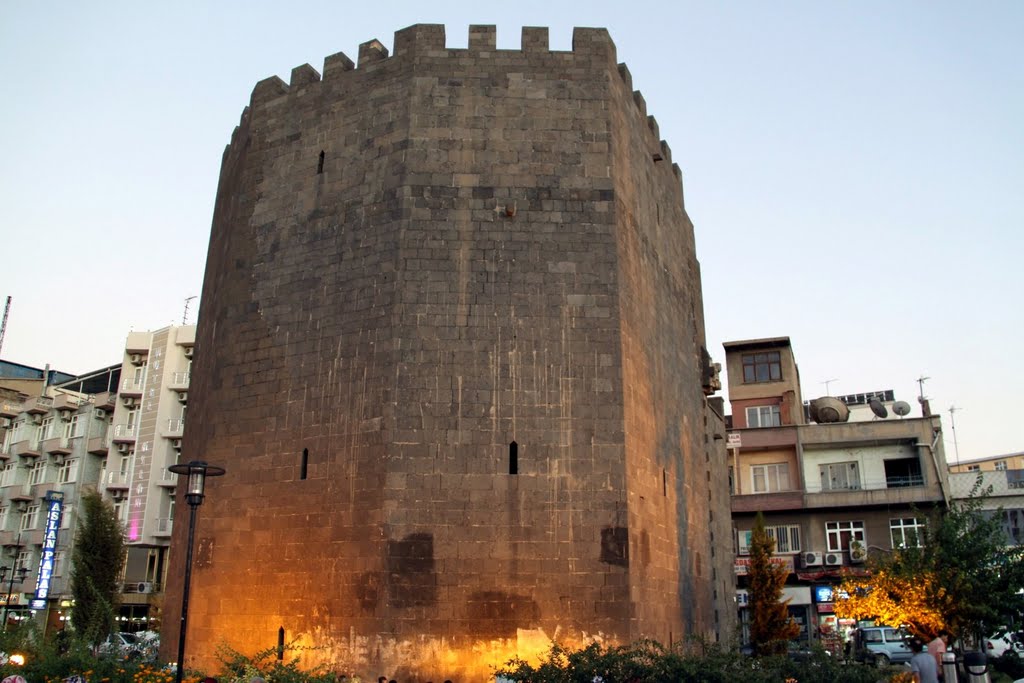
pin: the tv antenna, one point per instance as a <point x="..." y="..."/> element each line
<point x="3" y="323"/>
<point x="826" y="383"/>
<point x="952" y="423"/>
<point x="184" y="316"/>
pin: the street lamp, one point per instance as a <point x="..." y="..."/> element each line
<point x="197" y="472"/>
<point x="18" y="572"/>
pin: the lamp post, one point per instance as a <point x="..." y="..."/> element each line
<point x="20" y="573"/>
<point x="197" y="472"/>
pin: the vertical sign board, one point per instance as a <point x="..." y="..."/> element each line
<point x="54" y="507"/>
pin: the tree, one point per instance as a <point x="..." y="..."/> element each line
<point x="771" y="627"/>
<point x="962" y="577"/>
<point x="96" y="564"/>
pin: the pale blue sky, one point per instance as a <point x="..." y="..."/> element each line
<point x="854" y="170"/>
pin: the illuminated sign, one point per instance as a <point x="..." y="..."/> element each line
<point x="54" y="507"/>
<point x="823" y="593"/>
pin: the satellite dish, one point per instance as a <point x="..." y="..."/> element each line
<point x="829" y="409"/>
<point x="877" y="408"/>
<point x="901" y="408"/>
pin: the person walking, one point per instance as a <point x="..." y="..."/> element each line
<point x="938" y="646"/>
<point x="922" y="664"/>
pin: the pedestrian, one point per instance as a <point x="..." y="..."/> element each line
<point x="937" y="647"/>
<point x="922" y="664"/>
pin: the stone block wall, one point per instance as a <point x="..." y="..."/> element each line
<point x="449" y="352"/>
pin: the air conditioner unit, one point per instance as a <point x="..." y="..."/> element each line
<point x="123" y="448"/>
<point x="183" y="396"/>
<point x="833" y="559"/>
<point x="135" y="358"/>
<point x="812" y="559"/>
<point x="858" y="552"/>
<point x="99" y="413"/>
<point x="188" y="351"/>
<point x="37" y="418"/>
<point x="176" y="444"/>
<point x="5" y="422"/>
<point x="128" y="401"/>
<point x="144" y="587"/>
<point x="116" y="494"/>
<point x="65" y="415"/>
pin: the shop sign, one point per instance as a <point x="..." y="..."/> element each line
<point x="54" y="507"/>
<point x="741" y="566"/>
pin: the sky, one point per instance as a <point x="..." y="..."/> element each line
<point x="854" y="171"/>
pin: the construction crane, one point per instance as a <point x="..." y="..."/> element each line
<point x="3" y="324"/>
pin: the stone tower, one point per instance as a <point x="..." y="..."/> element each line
<point x="450" y="352"/>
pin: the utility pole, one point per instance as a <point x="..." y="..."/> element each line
<point x="3" y="323"/>
<point x="952" y="423"/>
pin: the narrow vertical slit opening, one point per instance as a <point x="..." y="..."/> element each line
<point x="664" y="483"/>
<point x="304" y="465"/>
<point x="513" y="458"/>
<point x="320" y="163"/>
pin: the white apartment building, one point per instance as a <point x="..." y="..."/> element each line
<point x="115" y="431"/>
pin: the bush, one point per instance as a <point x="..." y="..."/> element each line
<point x="651" y="662"/>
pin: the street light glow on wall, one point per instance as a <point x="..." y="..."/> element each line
<point x="197" y="472"/>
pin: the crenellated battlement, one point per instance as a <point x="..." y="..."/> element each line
<point x="428" y="40"/>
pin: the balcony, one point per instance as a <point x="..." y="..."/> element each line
<point x="175" y="428"/>
<point x="166" y="479"/>
<point x="28" y="448"/>
<point x="179" y="381"/>
<point x="893" y="490"/>
<point x="124" y="433"/>
<point x="131" y="387"/>
<point x="38" y="405"/>
<point x="117" y="480"/>
<point x="67" y="402"/>
<point x="106" y="401"/>
<point x="98" y="445"/>
<point x="57" y="446"/>
<point x="9" y="408"/>
<point x="779" y="500"/>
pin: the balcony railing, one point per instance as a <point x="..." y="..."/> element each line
<point x="906" y="481"/>
<point x="131" y="386"/>
<point x="179" y="381"/>
<point x="164" y="525"/>
<point x="175" y="427"/>
<point x="124" y="432"/>
<point x="116" y="480"/>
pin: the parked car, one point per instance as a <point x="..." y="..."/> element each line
<point x="881" y="645"/>
<point x="123" y="644"/>
<point x="1002" y="642"/>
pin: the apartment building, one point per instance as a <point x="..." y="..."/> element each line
<point x="116" y="431"/>
<point x="836" y="478"/>
<point x="1009" y="462"/>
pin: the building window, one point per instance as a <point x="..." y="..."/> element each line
<point x="907" y="532"/>
<point x="59" y="558"/>
<point x="840" y="476"/>
<point x="786" y="537"/>
<point x="38" y="473"/>
<point x="73" y="428"/>
<point x="46" y="430"/>
<point x="764" y="416"/>
<point x="24" y="559"/>
<point x="28" y="517"/>
<point x="7" y="475"/>
<point x="762" y="367"/>
<point x="66" y="515"/>
<point x="3" y="518"/>
<point x="1000" y="465"/>
<point x="770" y="478"/>
<point x="974" y="468"/>
<point x="841" y="534"/>
<point x="66" y="471"/>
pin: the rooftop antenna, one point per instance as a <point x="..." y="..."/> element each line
<point x="921" y="398"/>
<point x="826" y="383"/>
<point x="184" y="316"/>
<point x="952" y="423"/>
<point x="3" y="324"/>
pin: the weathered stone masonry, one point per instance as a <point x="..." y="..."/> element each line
<point x="458" y="291"/>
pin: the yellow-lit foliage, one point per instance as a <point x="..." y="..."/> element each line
<point x="893" y="600"/>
